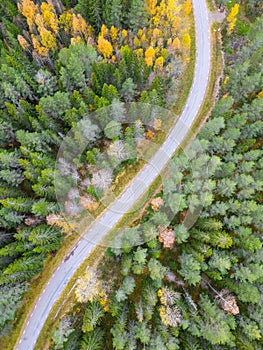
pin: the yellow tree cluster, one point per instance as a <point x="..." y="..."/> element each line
<point x="152" y="4"/>
<point x="29" y="9"/>
<point x="23" y="43"/>
<point x="49" y="17"/>
<point x="111" y="34"/>
<point x="114" y="33"/>
<point x="169" y="22"/>
<point x="42" y="20"/>
<point x="167" y="16"/>
<point x="91" y="286"/>
<point x="232" y="18"/>
<point x="66" y="21"/>
<point x="186" y="41"/>
<point x="44" y="25"/>
<point x="158" y="65"/>
<point x="80" y="28"/>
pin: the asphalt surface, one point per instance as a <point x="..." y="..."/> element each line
<point x="137" y="187"/>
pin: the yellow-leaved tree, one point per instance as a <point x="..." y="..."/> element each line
<point x="50" y="17"/>
<point x="149" y="56"/>
<point x="186" y="41"/>
<point x="80" y="27"/>
<point x="41" y="50"/>
<point x="114" y="33"/>
<point x="187" y="7"/>
<point x="232" y="18"/>
<point x="105" y="47"/>
<point x="104" y="31"/>
<point x="158" y="65"/>
<point x="66" y="21"/>
<point x="23" y="42"/>
<point x="48" y="40"/>
<point x="29" y="9"/>
<point x="152" y="7"/>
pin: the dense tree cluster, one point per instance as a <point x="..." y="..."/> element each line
<point x="205" y="290"/>
<point x="60" y="61"/>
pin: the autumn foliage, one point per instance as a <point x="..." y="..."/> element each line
<point x="232" y="18"/>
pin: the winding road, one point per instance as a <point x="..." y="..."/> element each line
<point x="137" y="187"/>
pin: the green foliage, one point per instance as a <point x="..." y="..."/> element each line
<point x="92" y="11"/>
<point x="113" y="130"/>
<point x="215" y="325"/>
<point x="61" y="334"/>
<point x="113" y="13"/>
<point x="128" y="90"/>
<point x="181" y="234"/>
<point x="10" y="299"/>
<point x="92" y="317"/>
<point x="156" y="269"/>
<point x="75" y="66"/>
<point x="93" y="340"/>
<point x="190" y="269"/>
<point x="137" y="16"/>
<point x="42" y="97"/>
<point x="220" y="255"/>
<point x="142" y="332"/>
<point x="43" y="94"/>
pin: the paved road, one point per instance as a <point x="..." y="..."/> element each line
<point x="138" y="186"/>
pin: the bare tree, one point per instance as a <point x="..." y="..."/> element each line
<point x="117" y="150"/>
<point x="102" y="179"/>
<point x="72" y="208"/>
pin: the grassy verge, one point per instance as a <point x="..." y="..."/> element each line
<point x="39" y="282"/>
<point x="211" y="6"/>
<point x="67" y="298"/>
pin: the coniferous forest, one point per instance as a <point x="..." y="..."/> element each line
<point x="60" y="61"/>
<point x="166" y="284"/>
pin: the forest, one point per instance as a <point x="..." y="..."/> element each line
<point x="61" y="61"/>
<point x="174" y="285"/>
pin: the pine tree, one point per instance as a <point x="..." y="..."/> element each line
<point x="92" y="318"/>
<point x="113" y="14"/>
<point x="137" y="16"/>
<point x="93" y="340"/>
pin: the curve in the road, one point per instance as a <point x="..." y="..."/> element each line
<point x="148" y="174"/>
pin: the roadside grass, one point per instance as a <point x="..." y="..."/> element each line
<point x="67" y="299"/>
<point x="38" y="283"/>
<point x="211" y="5"/>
